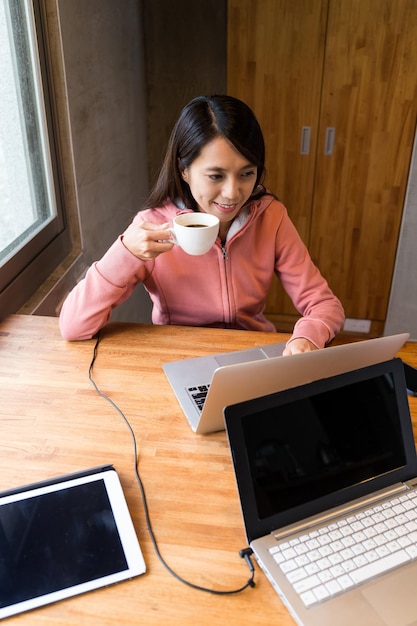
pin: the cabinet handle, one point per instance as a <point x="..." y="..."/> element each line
<point x="329" y="140"/>
<point x="305" y="140"/>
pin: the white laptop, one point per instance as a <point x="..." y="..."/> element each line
<point x="63" y="537"/>
<point x="205" y="385"/>
<point x="327" y="478"/>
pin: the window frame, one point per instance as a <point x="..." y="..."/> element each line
<point x="31" y="265"/>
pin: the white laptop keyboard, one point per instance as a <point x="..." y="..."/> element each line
<point x="198" y="395"/>
<point x="329" y="560"/>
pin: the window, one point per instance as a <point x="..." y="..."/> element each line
<point x="33" y="233"/>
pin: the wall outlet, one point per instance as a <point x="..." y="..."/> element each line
<point x="357" y="326"/>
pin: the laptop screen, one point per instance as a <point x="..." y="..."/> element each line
<point x="318" y="442"/>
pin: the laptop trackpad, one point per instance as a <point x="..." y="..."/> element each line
<point x="240" y="357"/>
<point x="394" y="598"/>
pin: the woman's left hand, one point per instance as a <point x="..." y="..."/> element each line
<point x="296" y="346"/>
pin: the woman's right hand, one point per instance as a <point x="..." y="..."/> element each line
<point x="147" y="240"/>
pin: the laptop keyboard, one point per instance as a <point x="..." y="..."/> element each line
<point x="198" y="394"/>
<point x="329" y="560"/>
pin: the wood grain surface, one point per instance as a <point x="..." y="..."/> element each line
<point x="53" y="422"/>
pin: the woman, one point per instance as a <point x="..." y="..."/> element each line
<point x="214" y="164"/>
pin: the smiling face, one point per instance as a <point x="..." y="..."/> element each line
<point x="221" y="181"/>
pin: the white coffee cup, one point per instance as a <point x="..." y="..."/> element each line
<point x="195" y="233"/>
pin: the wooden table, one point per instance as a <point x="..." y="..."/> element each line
<point x="53" y="422"/>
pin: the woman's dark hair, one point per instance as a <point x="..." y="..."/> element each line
<point x="202" y="120"/>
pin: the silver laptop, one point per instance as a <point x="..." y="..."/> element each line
<point x="327" y="478"/>
<point x="205" y="385"/>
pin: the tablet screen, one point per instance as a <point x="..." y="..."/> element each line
<point x="63" y="539"/>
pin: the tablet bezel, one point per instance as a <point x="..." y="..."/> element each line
<point x="129" y="541"/>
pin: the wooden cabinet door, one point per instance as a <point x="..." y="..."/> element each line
<point x="369" y="98"/>
<point x="348" y="70"/>
<point x="275" y="64"/>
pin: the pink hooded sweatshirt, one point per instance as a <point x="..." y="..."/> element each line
<point x="224" y="288"/>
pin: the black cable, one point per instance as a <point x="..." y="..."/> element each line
<point x="245" y="553"/>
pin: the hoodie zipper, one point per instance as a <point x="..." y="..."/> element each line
<point x="225" y="259"/>
<point x="228" y="323"/>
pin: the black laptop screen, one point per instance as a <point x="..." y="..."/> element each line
<point x="309" y="447"/>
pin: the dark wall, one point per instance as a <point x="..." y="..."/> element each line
<point x="185" y="56"/>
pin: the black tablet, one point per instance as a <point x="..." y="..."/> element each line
<point x="64" y="537"/>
